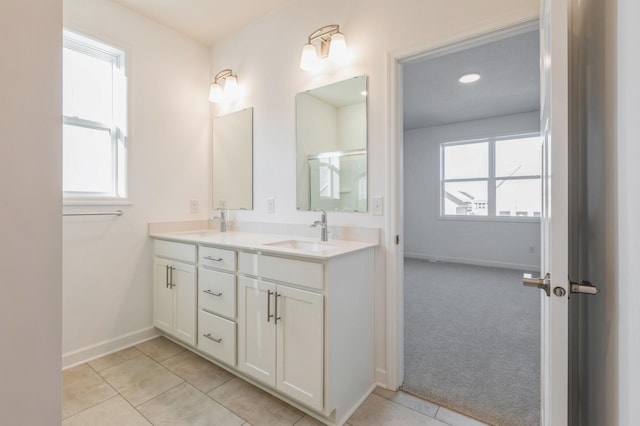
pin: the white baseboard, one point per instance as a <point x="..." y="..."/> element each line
<point x="82" y="355"/>
<point x="477" y="262"/>
<point x="381" y="377"/>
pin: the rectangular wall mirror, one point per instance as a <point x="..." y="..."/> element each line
<point x="232" y="174"/>
<point x="331" y="144"/>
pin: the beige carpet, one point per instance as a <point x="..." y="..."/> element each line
<point x="472" y="339"/>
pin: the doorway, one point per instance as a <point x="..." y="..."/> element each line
<point x="471" y="189"/>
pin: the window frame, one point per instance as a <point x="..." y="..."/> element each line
<point x="117" y="128"/>
<point x="490" y="180"/>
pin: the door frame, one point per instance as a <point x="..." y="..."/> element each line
<point x="394" y="350"/>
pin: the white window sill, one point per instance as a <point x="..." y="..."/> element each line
<point x="97" y="202"/>
<point x="506" y="219"/>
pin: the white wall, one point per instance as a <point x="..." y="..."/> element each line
<point x="107" y="260"/>
<point x="482" y="242"/>
<point x="30" y="209"/>
<point x="266" y="55"/>
<point x="628" y="202"/>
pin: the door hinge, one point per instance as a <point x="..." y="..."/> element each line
<point x="397" y="239"/>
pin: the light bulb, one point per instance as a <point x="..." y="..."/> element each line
<point x="231" y="88"/>
<point x="338" y="48"/>
<point x="309" y="59"/>
<point x="469" y="78"/>
<point x="215" y="93"/>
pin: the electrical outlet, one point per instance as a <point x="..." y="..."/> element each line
<point x="532" y="249"/>
<point x="194" y="205"/>
<point x="271" y="205"/>
<point x="377" y="206"/>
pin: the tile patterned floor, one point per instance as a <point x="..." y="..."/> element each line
<point x="160" y="383"/>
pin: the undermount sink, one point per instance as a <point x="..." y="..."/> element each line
<point x="303" y="245"/>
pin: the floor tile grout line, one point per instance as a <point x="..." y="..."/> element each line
<point x="222" y="405"/>
<point x="408" y="408"/>
<point x="411" y="408"/>
<point x="90" y="407"/>
<point x="104" y="381"/>
<point x="117" y="363"/>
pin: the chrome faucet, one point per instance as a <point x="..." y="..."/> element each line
<point x="323" y="223"/>
<point x="222" y="219"/>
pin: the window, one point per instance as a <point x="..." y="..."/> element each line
<point x="94" y="126"/>
<point x="491" y="177"/>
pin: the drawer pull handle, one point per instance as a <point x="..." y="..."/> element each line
<point x="277" y="317"/>
<point x="212" y="293"/>
<point x="219" y="259"/>
<point x="208" y="336"/>
<point x="269" y="314"/>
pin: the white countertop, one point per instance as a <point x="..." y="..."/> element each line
<point x="310" y="247"/>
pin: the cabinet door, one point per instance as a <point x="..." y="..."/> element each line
<point x="300" y="345"/>
<point x="256" y="332"/>
<point x="162" y="295"/>
<point x="184" y="292"/>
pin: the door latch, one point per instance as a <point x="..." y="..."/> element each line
<point x="584" y="287"/>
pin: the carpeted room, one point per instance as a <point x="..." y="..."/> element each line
<point x="471" y="219"/>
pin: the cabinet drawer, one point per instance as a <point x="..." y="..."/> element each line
<point x="217" y="258"/>
<point x="300" y="272"/>
<point x="217" y="292"/>
<point x="217" y="337"/>
<point x="174" y="250"/>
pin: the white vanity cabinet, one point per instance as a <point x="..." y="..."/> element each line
<point x="217" y="303"/>
<point x="281" y="338"/>
<point x="305" y="327"/>
<point x="299" y="324"/>
<point x="174" y="289"/>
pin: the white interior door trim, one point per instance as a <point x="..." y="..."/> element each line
<point x="395" y="224"/>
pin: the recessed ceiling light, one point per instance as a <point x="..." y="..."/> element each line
<point x="469" y="78"/>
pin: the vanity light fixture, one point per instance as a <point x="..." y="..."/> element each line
<point x="332" y="45"/>
<point x="469" y="78"/>
<point x="227" y="91"/>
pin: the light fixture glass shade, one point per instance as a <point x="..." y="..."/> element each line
<point x="309" y="59"/>
<point x="338" y="48"/>
<point x="215" y="93"/>
<point x="231" y="88"/>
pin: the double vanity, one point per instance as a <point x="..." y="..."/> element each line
<point x="292" y="315"/>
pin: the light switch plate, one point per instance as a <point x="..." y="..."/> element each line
<point x="271" y="205"/>
<point x="377" y="206"/>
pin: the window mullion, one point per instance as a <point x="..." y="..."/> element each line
<point x="491" y="190"/>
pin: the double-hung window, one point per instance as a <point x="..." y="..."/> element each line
<point x="94" y="122"/>
<point x="492" y="177"/>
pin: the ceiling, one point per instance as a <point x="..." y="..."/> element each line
<point x="509" y="83"/>
<point x="207" y="21"/>
<point x="432" y="95"/>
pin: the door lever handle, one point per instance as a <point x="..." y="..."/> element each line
<point x="542" y="283"/>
